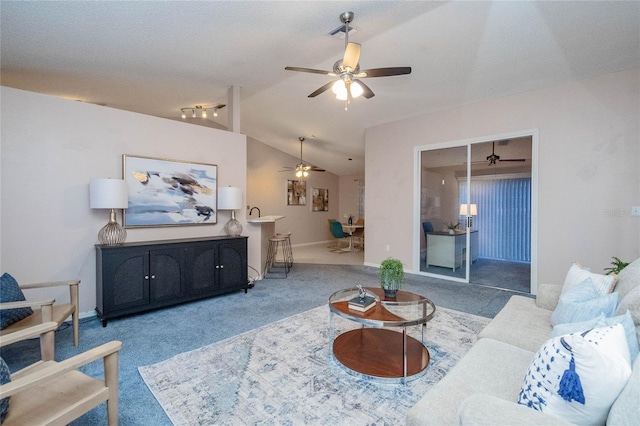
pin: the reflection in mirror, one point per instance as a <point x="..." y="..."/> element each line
<point x="499" y="201"/>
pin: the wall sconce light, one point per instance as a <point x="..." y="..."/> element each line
<point x="200" y="109"/>
<point x="474" y="212"/>
<point x="230" y="198"/>
<point x="109" y="194"/>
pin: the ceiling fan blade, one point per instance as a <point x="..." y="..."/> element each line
<point x="513" y="159"/>
<point x="366" y="91"/>
<point x="321" y="90"/>
<point x="384" y="72"/>
<point x="311" y="70"/>
<point x="316" y="169"/>
<point x="351" y="56"/>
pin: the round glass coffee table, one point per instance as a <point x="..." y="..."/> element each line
<point x="373" y="350"/>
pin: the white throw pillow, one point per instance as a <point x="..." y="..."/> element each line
<point x="601" y="361"/>
<point x="577" y="274"/>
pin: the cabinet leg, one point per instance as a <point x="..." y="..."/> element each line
<point x="104" y="323"/>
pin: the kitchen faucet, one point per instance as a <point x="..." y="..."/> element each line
<point x="250" y="211"/>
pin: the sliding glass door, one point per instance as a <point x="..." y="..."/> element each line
<point x="476" y="210"/>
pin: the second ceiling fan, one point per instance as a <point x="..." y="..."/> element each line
<point x="302" y="169"/>
<point x="348" y="84"/>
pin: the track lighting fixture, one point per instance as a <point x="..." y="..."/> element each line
<point x="200" y="109"/>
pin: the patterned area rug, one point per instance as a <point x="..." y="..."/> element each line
<point x="283" y="373"/>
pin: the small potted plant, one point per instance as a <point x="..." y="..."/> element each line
<point x="391" y="277"/>
<point x="617" y="266"/>
<point x="451" y="227"/>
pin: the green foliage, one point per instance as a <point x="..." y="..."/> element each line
<point x="618" y="265"/>
<point x="450" y="225"/>
<point x="391" y="274"/>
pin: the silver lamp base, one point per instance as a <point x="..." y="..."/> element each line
<point x="112" y="233"/>
<point x="233" y="228"/>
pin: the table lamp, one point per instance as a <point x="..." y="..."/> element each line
<point x="474" y="212"/>
<point x="230" y="198"/>
<point x="109" y="194"/>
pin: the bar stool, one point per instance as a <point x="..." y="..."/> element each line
<point x="287" y="247"/>
<point x="273" y="268"/>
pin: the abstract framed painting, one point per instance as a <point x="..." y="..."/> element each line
<point x="319" y="200"/>
<point x="296" y="193"/>
<point x="165" y="192"/>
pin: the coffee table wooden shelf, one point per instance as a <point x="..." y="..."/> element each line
<point x="375" y="351"/>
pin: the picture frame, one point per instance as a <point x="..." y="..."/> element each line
<point x="319" y="200"/>
<point x="165" y="192"/>
<point x="296" y="193"/>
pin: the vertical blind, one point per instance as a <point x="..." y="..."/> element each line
<point x="504" y="217"/>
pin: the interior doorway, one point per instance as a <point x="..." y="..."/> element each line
<point x="485" y="190"/>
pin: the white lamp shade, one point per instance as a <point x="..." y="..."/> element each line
<point x="463" y="210"/>
<point x="108" y="194"/>
<point x="229" y="198"/>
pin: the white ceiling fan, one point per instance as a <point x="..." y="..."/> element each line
<point x="348" y="84"/>
<point x="302" y="169"/>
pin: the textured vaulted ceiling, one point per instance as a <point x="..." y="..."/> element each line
<point x="157" y="57"/>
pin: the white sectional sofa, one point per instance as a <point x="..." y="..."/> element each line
<point x="483" y="388"/>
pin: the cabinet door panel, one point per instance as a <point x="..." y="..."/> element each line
<point x="166" y="274"/>
<point x="128" y="288"/>
<point x="233" y="268"/>
<point x="203" y="269"/>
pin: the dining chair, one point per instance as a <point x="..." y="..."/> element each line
<point x="339" y="234"/>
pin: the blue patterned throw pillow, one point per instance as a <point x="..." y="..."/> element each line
<point x="11" y="292"/>
<point x="5" y="377"/>
<point x="578" y="378"/>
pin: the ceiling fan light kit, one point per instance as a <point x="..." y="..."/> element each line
<point x="347" y="86"/>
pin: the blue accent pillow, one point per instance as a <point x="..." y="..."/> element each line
<point x="602" y="321"/>
<point x="5" y="377"/>
<point x="582" y="303"/>
<point x="11" y="292"/>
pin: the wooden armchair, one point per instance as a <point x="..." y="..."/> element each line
<point x="56" y="393"/>
<point x="45" y="311"/>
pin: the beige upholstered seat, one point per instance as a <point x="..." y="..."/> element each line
<point x="45" y="311"/>
<point x="56" y="393"/>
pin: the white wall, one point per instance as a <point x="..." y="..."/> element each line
<point x="52" y="147"/>
<point x="588" y="167"/>
<point x="266" y="189"/>
<point x="349" y="194"/>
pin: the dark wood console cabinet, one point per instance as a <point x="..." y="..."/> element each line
<point x="141" y="276"/>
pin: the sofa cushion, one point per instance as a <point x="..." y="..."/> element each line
<point x="10" y="292"/>
<point x="602" y="321"/>
<point x="520" y="323"/>
<point x="484" y="410"/>
<point x="601" y="361"/>
<point x="631" y="303"/>
<point x="583" y="302"/>
<point x="604" y="284"/>
<point x="490" y="367"/>
<point x="628" y="279"/>
<point x="626" y="410"/>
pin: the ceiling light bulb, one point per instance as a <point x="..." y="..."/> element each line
<point x="299" y="173"/>
<point x="356" y="89"/>
<point x="340" y="90"/>
<point x="184" y="115"/>
<point x="305" y="173"/>
<point x="193" y="113"/>
<point x="215" y="112"/>
<point x="204" y="113"/>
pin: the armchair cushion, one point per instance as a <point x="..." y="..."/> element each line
<point x="10" y="292"/>
<point x="5" y="377"/>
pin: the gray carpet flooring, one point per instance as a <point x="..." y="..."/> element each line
<point x="155" y="336"/>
